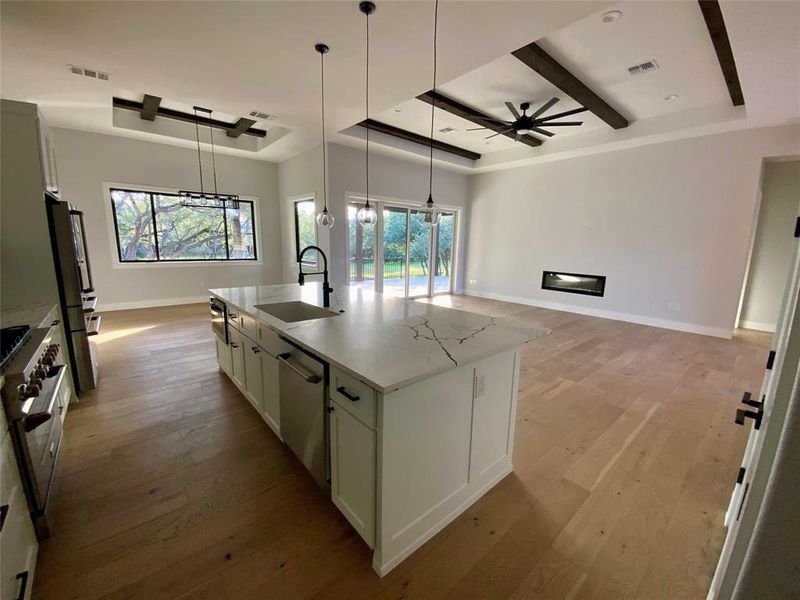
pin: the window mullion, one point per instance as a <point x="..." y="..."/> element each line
<point x="225" y="225"/>
<point x="155" y="226"/>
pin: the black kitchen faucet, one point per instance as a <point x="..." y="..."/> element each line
<point x="301" y="278"/>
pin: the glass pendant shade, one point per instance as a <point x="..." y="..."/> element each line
<point x="430" y="217"/>
<point x="367" y="215"/>
<point x="325" y="219"/>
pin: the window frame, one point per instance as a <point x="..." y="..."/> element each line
<point x="307" y="262"/>
<point x="150" y="192"/>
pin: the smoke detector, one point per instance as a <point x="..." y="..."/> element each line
<point x="642" y="68"/>
<point x="87" y="72"/>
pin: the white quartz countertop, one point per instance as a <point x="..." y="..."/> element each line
<point x="31" y="314"/>
<point x="387" y="343"/>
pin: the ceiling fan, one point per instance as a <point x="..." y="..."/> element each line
<point x="524" y="123"/>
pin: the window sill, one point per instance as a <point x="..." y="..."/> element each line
<point x="190" y="264"/>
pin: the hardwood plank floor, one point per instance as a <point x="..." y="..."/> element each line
<point x="172" y="487"/>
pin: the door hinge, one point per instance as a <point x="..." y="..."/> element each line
<point x="770" y="360"/>
<point x="740" y="476"/>
<point x="797" y="227"/>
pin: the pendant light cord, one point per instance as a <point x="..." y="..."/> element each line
<point x="199" y="160"/>
<point x="366" y="153"/>
<point x="324" y="150"/>
<point x="213" y="158"/>
<point x="433" y="99"/>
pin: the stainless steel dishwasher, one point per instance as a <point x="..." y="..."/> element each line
<point x="304" y="416"/>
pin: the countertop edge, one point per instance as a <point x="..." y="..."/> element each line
<point x="376" y="386"/>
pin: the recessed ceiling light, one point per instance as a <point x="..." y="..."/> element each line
<point x="398" y="110"/>
<point x="671" y="97"/>
<point x="611" y="16"/>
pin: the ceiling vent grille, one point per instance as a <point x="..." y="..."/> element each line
<point x="86" y="72"/>
<point x="446" y="130"/>
<point x="262" y="116"/>
<point x="645" y="67"/>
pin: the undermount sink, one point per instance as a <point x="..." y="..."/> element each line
<point x="291" y="312"/>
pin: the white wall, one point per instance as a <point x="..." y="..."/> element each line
<point x="389" y="178"/>
<point x="773" y="247"/>
<point x="87" y="160"/>
<point x="667" y="223"/>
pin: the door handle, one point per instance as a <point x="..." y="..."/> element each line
<point x="756" y="415"/>
<point x="23" y="587"/>
<point x="343" y="391"/>
<point x="307" y="375"/>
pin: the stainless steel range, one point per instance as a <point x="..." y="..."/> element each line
<point x="34" y="394"/>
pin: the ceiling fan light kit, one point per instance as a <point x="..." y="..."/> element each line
<point x="525" y="124"/>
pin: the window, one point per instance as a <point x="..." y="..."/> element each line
<point x="155" y="226"/>
<point x="305" y="230"/>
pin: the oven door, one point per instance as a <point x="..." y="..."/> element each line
<point x="219" y="321"/>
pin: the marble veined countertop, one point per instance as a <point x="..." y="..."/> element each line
<point x="386" y="342"/>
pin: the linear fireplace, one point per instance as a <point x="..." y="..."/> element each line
<point x="574" y="283"/>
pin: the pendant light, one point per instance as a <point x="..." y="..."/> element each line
<point x="203" y="199"/>
<point x="324" y="219"/>
<point x="367" y="216"/>
<point x="430" y="215"/>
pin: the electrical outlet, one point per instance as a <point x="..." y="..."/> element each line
<point x="473" y="281"/>
<point x="480" y="385"/>
<point x="673" y="307"/>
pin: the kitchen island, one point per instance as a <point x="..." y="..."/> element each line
<point x="420" y="400"/>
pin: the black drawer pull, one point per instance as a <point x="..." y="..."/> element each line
<point x="343" y="391"/>
<point x="23" y="586"/>
<point x="255" y="349"/>
<point x="747" y="398"/>
<point x="3" y="513"/>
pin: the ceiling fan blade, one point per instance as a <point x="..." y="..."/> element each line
<point x="566" y="113"/>
<point x="499" y="133"/>
<point x="544" y="107"/>
<point x="477" y="128"/>
<point x="493" y="120"/>
<point x="542" y="132"/>
<point x="513" y="110"/>
<point x="563" y="124"/>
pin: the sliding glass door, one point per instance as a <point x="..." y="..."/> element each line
<point x="399" y="256"/>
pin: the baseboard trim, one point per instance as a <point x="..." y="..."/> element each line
<point x="112" y="306"/>
<point x="608" y="314"/>
<point x="768" y="327"/>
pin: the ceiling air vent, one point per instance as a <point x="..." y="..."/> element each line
<point x="262" y="116"/>
<point x="645" y="67"/>
<point x="446" y="130"/>
<point x="94" y="74"/>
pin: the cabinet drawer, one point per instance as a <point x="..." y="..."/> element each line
<point x="234" y="317"/>
<point x="271" y="342"/>
<point x="355" y="397"/>
<point x="249" y="326"/>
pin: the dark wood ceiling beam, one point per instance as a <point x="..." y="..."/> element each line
<point x="150" y="106"/>
<point x="177" y="115"/>
<point x="712" y="13"/>
<point x="240" y="127"/>
<point x="410" y="136"/>
<point x="454" y="107"/>
<point x="549" y="68"/>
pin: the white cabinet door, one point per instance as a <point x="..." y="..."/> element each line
<point x="224" y="356"/>
<point x="492" y="413"/>
<point x="353" y="471"/>
<point x="271" y="391"/>
<point x="237" y="357"/>
<point x="252" y="373"/>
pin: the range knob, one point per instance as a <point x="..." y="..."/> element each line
<point x="34" y="382"/>
<point x="47" y="359"/>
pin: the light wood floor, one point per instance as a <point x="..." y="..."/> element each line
<point x="172" y="487"/>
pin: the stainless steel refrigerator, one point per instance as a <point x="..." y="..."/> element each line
<point x="75" y="290"/>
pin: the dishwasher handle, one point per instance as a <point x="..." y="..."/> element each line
<point x="307" y="375"/>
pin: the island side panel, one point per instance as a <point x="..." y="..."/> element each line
<point x="440" y="448"/>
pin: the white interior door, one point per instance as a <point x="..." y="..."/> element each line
<point x="766" y="414"/>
